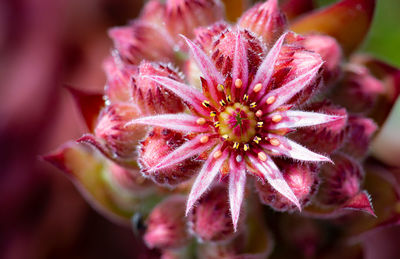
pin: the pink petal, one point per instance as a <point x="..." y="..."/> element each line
<point x="288" y="90"/>
<point x="292" y="149"/>
<point x="180" y="122"/>
<point x="271" y="173"/>
<point x="361" y="202"/>
<point x="295" y="119"/>
<point x="266" y="68"/>
<point x="240" y="64"/>
<point x="188" y="94"/>
<point x="189" y="149"/>
<point x="205" y="178"/>
<point x="237" y="183"/>
<point x="207" y="68"/>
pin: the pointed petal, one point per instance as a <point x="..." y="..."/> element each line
<point x="89" y="105"/>
<point x="189" y="149"/>
<point x="362" y="202"/>
<point x="271" y="173"/>
<point x="191" y="96"/>
<point x="240" y="64"/>
<point x="284" y="93"/>
<point x="237" y="183"/>
<point x="205" y="178"/>
<point x="266" y="68"/>
<point x="334" y="21"/>
<point x="293" y="150"/>
<point x="207" y="68"/>
<point x="295" y="119"/>
<point x="179" y="122"/>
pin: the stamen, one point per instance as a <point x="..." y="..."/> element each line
<point x="238" y="83"/>
<point x="222" y="102"/>
<point x="257" y="88"/>
<point x="213" y="114"/>
<point x="236" y="145"/>
<point x="246" y="147"/>
<point x="201" y="121"/>
<point x="253" y="105"/>
<point x="245" y="97"/>
<point x="259" y="113"/>
<point x="271" y="100"/>
<point x="216" y="124"/>
<point x="275" y="142"/>
<point x="206" y="103"/>
<point x="228" y="98"/>
<point x="217" y="154"/>
<point x="262" y="156"/>
<point x="204" y="139"/>
<point x="220" y="88"/>
<point x="276" y="118"/>
<point x="257" y="139"/>
<point x="260" y="124"/>
<point x="226" y="136"/>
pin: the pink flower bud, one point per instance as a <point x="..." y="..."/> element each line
<point x="330" y="51"/>
<point x="360" y="131"/>
<point x="153" y="12"/>
<point x="142" y="40"/>
<point x="158" y="144"/>
<point x="183" y="16"/>
<point x="328" y="137"/>
<point x="166" y="224"/>
<point x="340" y="180"/>
<point x="121" y="140"/>
<point x="303" y="181"/>
<point x="149" y="95"/>
<point x="210" y="220"/>
<point x="265" y="20"/>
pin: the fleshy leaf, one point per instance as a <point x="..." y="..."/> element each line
<point x="237" y="183"/>
<point x="89" y="105"/>
<point x="205" y="178"/>
<point x="361" y="202"/>
<point x="294" y="8"/>
<point x="348" y="21"/>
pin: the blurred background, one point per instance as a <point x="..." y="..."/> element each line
<point x="46" y="44"/>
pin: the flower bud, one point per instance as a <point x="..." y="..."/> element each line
<point x="183" y="16"/>
<point x="166" y="224"/>
<point x="265" y="20"/>
<point x="330" y="51"/>
<point x="158" y="144"/>
<point x="210" y="220"/>
<point x="150" y="96"/>
<point x="303" y="181"/>
<point x="341" y="180"/>
<point x="153" y="12"/>
<point x="118" y="138"/>
<point x="327" y="137"/>
<point x="142" y="40"/>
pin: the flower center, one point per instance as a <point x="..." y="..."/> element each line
<point x="237" y="123"/>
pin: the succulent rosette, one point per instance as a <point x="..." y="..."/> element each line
<point x="198" y="106"/>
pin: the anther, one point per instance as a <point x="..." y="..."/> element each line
<point x="262" y="156"/>
<point x="217" y="154"/>
<point x="236" y="145"/>
<point x="246" y="147"/>
<point x="275" y="142"/>
<point x="220" y="88"/>
<point x="228" y="98"/>
<point x="260" y="124"/>
<point x="257" y="88"/>
<point x="238" y="83"/>
<point x="204" y="139"/>
<point x="213" y="114"/>
<point x="245" y="97"/>
<point x="276" y="118"/>
<point x="201" y="121"/>
<point x="206" y="103"/>
<point x="253" y="105"/>
<point x="257" y="139"/>
<point x="226" y="136"/>
<point x="271" y="100"/>
<point x="222" y="102"/>
<point x="216" y="124"/>
<point x="259" y="113"/>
